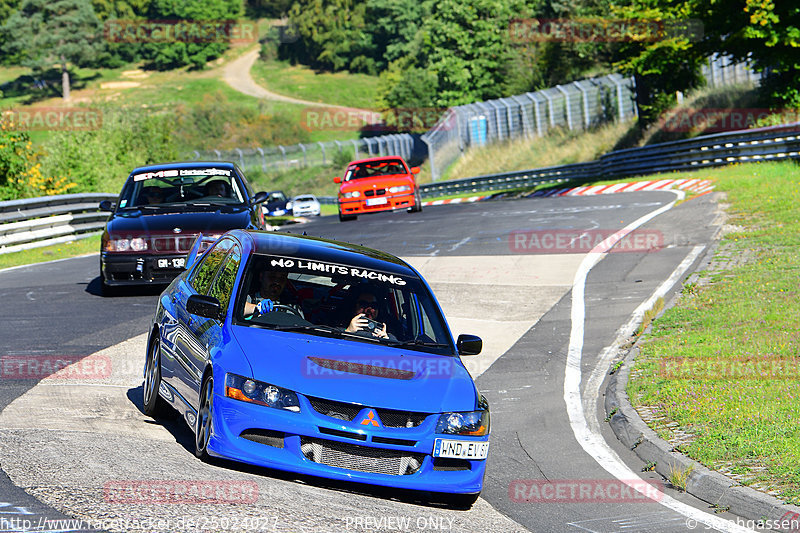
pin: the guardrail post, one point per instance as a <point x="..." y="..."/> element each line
<point x="263" y="159"/>
<point x="434" y="171"/>
<point x="620" y="105"/>
<point x="196" y="155"/>
<point x="219" y="155"/>
<point x="241" y="157"/>
<point x="355" y="145"/>
<point x="305" y="155"/>
<point x="324" y="161"/>
<point x="566" y="105"/>
<point x="283" y="152"/>
<point x="537" y="113"/>
<point x="527" y="129"/>
<point x="586" y="119"/>
<point x="550" y="108"/>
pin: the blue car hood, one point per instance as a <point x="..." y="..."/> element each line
<point x="358" y="372"/>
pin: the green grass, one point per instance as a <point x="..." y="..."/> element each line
<point x="744" y="427"/>
<point x="298" y="81"/>
<point x="49" y="253"/>
<point x="313" y="180"/>
<point x="560" y="147"/>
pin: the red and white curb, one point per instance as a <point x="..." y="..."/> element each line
<point x="695" y="185"/>
<point x="456" y="200"/>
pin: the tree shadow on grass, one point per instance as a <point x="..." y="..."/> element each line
<point x="37" y="87"/>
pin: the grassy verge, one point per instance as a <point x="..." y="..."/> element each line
<point x="561" y="147"/>
<point x="312" y="180"/>
<point x="299" y="81"/>
<point x="49" y="253"/>
<point x="718" y="373"/>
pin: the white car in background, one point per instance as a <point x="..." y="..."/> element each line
<point x="304" y="205"/>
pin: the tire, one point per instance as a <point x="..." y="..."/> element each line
<point x="417" y="203"/>
<point x="202" y="426"/>
<point x="345" y="218"/>
<point x="154" y="405"/>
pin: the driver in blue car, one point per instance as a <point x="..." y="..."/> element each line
<point x="264" y="300"/>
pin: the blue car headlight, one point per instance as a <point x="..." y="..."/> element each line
<point x="474" y="423"/>
<point x="258" y="392"/>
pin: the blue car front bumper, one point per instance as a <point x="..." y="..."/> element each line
<point x="308" y="442"/>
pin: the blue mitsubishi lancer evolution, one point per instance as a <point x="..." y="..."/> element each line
<point x="321" y="358"/>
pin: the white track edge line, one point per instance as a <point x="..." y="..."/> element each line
<point x="592" y="442"/>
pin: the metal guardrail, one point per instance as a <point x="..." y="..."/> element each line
<point x="35" y="222"/>
<point x="764" y="144"/>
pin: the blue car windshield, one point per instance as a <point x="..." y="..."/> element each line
<point x="321" y="298"/>
<point x="189" y="186"/>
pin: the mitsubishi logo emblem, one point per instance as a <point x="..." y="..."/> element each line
<point x="371" y="419"/>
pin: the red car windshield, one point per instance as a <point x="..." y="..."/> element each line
<point x="384" y="167"/>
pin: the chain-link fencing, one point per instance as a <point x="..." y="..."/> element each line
<point x="277" y="158"/>
<point x="577" y="105"/>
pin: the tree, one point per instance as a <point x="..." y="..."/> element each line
<point x="197" y="52"/>
<point x="46" y="32"/>
<point x="333" y="35"/>
<point x="463" y="47"/>
<point x="664" y="55"/>
<point x="766" y="32"/>
<point x="257" y="9"/>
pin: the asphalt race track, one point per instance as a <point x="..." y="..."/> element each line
<point x="504" y="270"/>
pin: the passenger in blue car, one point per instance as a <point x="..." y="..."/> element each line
<point x="367" y="307"/>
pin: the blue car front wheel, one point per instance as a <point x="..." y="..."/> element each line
<point x="202" y="430"/>
<point x="153" y="404"/>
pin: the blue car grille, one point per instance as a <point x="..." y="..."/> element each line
<point x="361" y="458"/>
<point x="348" y="412"/>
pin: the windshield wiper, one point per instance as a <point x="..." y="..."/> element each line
<point x="418" y="342"/>
<point x="216" y="204"/>
<point x="306" y="327"/>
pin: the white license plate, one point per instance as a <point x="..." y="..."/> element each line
<point x="377" y="201"/>
<point x="460" y="449"/>
<point x="176" y="262"/>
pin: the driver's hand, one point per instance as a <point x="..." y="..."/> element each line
<point x="359" y="322"/>
<point x="264" y="306"/>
